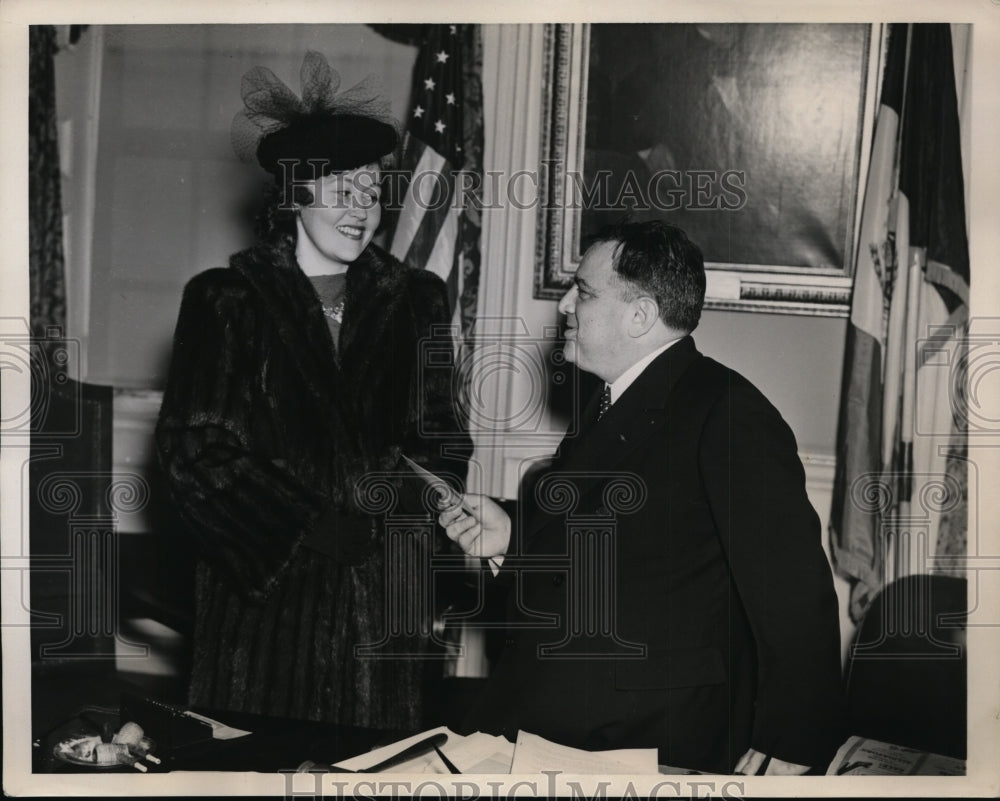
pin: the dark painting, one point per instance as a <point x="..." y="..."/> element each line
<point x="748" y="136"/>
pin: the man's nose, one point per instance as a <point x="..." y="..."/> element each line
<point x="567" y="304"/>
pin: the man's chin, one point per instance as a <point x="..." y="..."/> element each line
<point x="569" y="351"/>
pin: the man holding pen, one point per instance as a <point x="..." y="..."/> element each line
<point x="718" y="640"/>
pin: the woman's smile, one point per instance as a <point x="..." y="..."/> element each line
<point x="351" y="231"/>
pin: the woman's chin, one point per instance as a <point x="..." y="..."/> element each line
<point x="345" y="253"/>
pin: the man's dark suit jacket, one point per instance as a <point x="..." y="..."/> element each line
<point x="698" y="615"/>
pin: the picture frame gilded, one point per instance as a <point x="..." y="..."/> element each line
<point x="754" y="138"/>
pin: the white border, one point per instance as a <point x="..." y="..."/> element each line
<point x="983" y="180"/>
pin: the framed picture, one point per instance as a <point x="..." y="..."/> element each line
<point x="753" y="138"/>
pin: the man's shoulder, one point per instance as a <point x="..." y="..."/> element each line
<point x="712" y="374"/>
<point x="715" y="382"/>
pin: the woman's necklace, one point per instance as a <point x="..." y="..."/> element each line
<point x="335" y="312"/>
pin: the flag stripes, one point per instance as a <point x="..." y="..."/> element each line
<point x="899" y="437"/>
<point x="429" y="232"/>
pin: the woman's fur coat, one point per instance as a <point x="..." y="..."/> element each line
<point x="265" y="432"/>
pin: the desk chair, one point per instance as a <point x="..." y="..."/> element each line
<point x="906" y="670"/>
<point x="71" y="533"/>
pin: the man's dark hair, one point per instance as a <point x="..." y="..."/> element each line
<point x="656" y="259"/>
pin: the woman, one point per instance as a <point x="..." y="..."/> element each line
<point x="296" y="379"/>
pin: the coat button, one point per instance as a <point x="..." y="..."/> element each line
<point x="558" y="580"/>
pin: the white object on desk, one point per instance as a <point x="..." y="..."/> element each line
<point x="425" y="763"/>
<point x="480" y="753"/>
<point x="476" y="753"/>
<point x="860" y="756"/>
<point x="533" y="754"/>
<point x="220" y="731"/>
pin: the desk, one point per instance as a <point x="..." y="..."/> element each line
<point x="274" y="744"/>
<point x="279" y="744"/>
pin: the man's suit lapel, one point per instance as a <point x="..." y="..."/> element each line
<point x="629" y="425"/>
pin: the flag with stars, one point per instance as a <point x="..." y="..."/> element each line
<point x="438" y="224"/>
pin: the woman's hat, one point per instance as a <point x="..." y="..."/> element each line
<point x="335" y="132"/>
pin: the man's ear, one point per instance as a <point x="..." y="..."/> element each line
<point x="645" y="313"/>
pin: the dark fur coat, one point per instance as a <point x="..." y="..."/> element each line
<point x="265" y="432"/>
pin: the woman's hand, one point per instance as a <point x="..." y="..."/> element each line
<point x="478" y="525"/>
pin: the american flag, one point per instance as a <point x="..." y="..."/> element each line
<point x="431" y="231"/>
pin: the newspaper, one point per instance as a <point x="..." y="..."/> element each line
<point x="860" y="756"/>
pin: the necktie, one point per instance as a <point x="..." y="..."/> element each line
<point x="605" y="402"/>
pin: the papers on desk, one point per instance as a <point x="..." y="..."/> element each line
<point x="476" y="753"/>
<point x="533" y="754"/>
<point x="860" y="756"/>
<point x="480" y="753"/>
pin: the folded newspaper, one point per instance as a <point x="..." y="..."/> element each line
<point x="860" y="756"/>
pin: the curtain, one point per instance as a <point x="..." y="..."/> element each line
<point x="45" y="234"/>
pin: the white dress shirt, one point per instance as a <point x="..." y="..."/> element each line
<point x="620" y="384"/>
<point x="625" y="380"/>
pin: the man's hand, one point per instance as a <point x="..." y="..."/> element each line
<point x="479" y="526"/>
<point x="751" y="761"/>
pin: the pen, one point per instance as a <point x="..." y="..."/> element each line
<point x="418" y="748"/>
<point x="447" y="762"/>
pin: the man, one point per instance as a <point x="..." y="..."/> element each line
<point x="717" y="640"/>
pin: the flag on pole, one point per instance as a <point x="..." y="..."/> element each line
<point x="437" y="227"/>
<point x="855" y="540"/>
<point x="898" y="434"/>
<point x="931" y="185"/>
